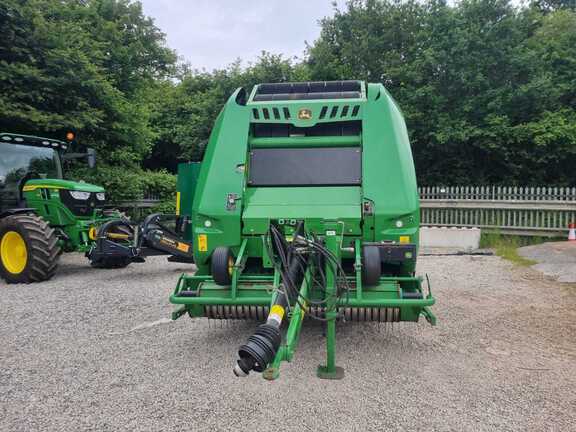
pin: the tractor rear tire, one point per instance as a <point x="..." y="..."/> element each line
<point x="222" y="265"/>
<point x="371" y="265"/>
<point x="29" y="249"/>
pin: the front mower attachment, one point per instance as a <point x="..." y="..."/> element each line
<point x="121" y="241"/>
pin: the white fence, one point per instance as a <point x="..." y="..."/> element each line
<point x="538" y="211"/>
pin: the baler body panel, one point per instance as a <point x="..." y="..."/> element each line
<point x="389" y="179"/>
<point x="313" y="204"/>
<point x="220" y="177"/>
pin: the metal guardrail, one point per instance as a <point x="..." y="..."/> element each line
<point x="499" y="193"/>
<point x="137" y="204"/>
<point x="531" y="211"/>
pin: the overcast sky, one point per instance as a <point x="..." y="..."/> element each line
<point x="213" y="33"/>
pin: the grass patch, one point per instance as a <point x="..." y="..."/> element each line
<point x="507" y="246"/>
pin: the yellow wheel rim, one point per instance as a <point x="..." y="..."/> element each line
<point x="13" y="252"/>
<point x="92" y="233"/>
<point x="230" y="266"/>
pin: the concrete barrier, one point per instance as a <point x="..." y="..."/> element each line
<point x="444" y="237"/>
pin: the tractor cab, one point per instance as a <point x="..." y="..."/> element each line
<point x="23" y="159"/>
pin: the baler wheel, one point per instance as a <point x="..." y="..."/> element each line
<point x="222" y="265"/>
<point x="371" y="266"/>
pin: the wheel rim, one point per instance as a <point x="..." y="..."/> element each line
<point x="13" y="252"/>
<point x="230" y="265"/>
<point x="92" y="233"/>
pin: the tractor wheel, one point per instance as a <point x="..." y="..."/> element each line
<point x="123" y="233"/>
<point x="29" y="250"/>
<point x="371" y="266"/>
<point x="222" y="265"/>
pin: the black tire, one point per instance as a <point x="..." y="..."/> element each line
<point x="371" y="265"/>
<point x="221" y="270"/>
<point x="42" y="249"/>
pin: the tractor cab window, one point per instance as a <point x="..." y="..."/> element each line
<point x="18" y="161"/>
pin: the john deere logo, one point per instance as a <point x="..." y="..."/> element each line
<point x="305" y="114"/>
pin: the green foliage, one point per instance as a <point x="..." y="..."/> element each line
<point x="81" y="65"/>
<point x="129" y="185"/>
<point x="506" y="246"/>
<point x="488" y="87"/>
<point x="165" y="207"/>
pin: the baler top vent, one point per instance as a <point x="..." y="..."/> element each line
<point x="337" y="112"/>
<point x="308" y="91"/>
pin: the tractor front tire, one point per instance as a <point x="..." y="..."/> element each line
<point x="29" y="249"/>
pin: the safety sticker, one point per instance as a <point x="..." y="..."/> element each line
<point x="203" y="243"/>
<point x="183" y="247"/>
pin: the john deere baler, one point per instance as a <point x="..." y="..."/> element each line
<point x="306" y="207"/>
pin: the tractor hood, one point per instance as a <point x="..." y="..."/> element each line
<point x="61" y="184"/>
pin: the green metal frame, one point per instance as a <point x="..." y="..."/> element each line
<point x="259" y="290"/>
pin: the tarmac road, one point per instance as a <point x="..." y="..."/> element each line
<point x="94" y="350"/>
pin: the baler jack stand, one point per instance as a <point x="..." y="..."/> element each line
<point x="331" y="371"/>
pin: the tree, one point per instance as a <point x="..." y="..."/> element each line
<point x="81" y="65"/>
<point x="478" y="82"/>
<point x="185" y="112"/>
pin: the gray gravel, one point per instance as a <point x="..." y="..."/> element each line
<point x="554" y="259"/>
<point x="93" y="350"/>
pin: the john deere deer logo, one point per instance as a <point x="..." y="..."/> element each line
<point x="304" y="114"/>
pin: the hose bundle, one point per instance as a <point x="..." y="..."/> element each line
<point x="291" y="259"/>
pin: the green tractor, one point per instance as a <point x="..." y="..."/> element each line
<point x="43" y="215"/>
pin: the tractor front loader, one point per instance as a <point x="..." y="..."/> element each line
<point x="306" y="207"/>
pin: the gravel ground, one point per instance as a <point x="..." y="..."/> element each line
<point x="93" y="350"/>
<point x="554" y="259"/>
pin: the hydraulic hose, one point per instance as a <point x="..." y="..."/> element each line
<point x="261" y="348"/>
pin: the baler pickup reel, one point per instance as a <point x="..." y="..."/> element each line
<point x="124" y="242"/>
